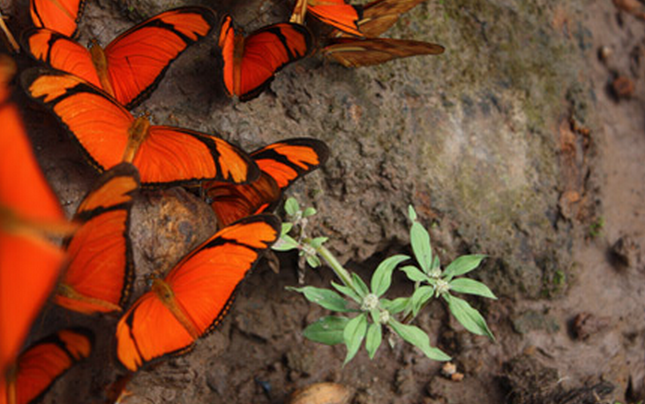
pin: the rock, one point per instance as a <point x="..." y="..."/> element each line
<point x="531" y="320"/>
<point x="321" y="393"/>
<point x="626" y="252"/>
<point x="585" y="325"/>
<point x="622" y="87"/>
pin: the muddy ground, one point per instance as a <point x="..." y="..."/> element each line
<point x="515" y="143"/>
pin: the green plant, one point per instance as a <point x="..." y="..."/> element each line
<point x="595" y="228"/>
<point x="374" y="312"/>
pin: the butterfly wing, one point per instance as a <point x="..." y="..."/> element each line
<point x="373" y="51"/>
<point x="58" y="15"/>
<point x="29" y="263"/>
<point x="100" y="271"/>
<point x="47" y="360"/>
<point x="263" y="53"/>
<point x="287" y="160"/>
<point x="233" y="202"/>
<point x="96" y="121"/>
<point x="138" y="58"/>
<point x="165" y="155"/>
<point x="61" y="53"/>
<point x="281" y="163"/>
<point x="181" y="155"/>
<point x="380" y="15"/>
<point x="195" y="295"/>
<point x="336" y="13"/>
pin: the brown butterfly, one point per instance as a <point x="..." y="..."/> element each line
<point x="356" y="52"/>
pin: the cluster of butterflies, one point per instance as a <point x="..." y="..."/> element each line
<point x="90" y="92"/>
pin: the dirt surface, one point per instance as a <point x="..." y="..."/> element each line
<point x="524" y="141"/>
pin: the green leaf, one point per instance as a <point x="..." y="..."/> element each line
<point x="468" y="316"/>
<point x="412" y="214"/>
<point x="324" y="297"/>
<point x="417" y="337"/>
<point x="286" y="228"/>
<point x="309" y="212"/>
<point x="382" y="277"/>
<point x="471" y="287"/>
<point x="376" y="315"/>
<point x="353" y="335"/>
<point x="463" y="265"/>
<point x="313" y="261"/>
<point x="291" y="206"/>
<point x="373" y="339"/>
<point x="395" y="306"/>
<point x="360" y="285"/>
<point x="347" y="291"/>
<point x="318" y="242"/>
<point x="415" y="274"/>
<point x="327" y="330"/>
<point x="420" y="240"/>
<point x="435" y="263"/>
<point x="420" y="297"/>
<point x="285" y="243"/>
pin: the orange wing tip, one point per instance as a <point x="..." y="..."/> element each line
<point x="266" y="225"/>
<point x="62" y="19"/>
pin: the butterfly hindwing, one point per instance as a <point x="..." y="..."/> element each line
<point x="100" y="270"/>
<point x="109" y="134"/>
<point x="195" y="294"/>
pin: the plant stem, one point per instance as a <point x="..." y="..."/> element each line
<point x="336" y="266"/>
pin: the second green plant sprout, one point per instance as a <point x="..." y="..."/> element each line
<point x="374" y="312"/>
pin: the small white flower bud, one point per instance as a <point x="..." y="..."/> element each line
<point x="370" y="302"/>
<point x="442" y="287"/>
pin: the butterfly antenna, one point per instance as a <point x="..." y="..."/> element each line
<point x="299" y="12"/>
<point x="8" y="37"/>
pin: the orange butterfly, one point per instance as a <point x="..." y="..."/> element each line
<point x="281" y="163"/>
<point x="379" y="15"/>
<point x="336" y="13"/>
<point x="29" y="211"/>
<point x="373" y="51"/>
<point x="133" y="64"/>
<point x="195" y="295"/>
<point x="109" y="134"/>
<point x="250" y="63"/>
<point x="58" y="15"/>
<point x="42" y="363"/>
<point x="100" y="271"/>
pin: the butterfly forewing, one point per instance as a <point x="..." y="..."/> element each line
<point x="59" y="15"/>
<point x="100" y="270"/>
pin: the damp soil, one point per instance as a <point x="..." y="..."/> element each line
<point x="525" y="141"/>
